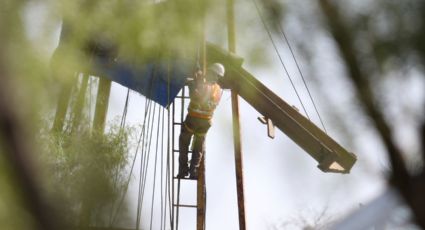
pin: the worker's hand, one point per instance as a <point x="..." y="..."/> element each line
<point x="198" y="75"/>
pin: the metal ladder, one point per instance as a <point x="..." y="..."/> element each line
<point x="177" y="121"/>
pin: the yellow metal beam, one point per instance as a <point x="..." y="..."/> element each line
<point x="330" y="155"/>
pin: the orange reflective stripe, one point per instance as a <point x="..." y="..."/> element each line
<point x="200" y="115"/>
<point x="203" y="105"/>
<point x="201" y="110"/>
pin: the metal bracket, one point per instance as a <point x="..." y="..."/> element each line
<point x="270" y="126"/>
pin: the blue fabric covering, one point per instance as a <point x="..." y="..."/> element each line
<point x="160" y="81"/>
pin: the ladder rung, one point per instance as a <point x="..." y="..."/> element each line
<point x="177" y="151"/>
<point x="184" y="97"/>
<point x="185" y="206"/>
<point x="177" y="123"/>
<point x="184" y="178"/>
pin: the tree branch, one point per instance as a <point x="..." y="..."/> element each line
<point x="412" y="188"/>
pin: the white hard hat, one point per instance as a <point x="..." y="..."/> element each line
<point x="217" y="68"/>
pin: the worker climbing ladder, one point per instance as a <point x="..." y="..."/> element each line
<point x="178" y="115"/>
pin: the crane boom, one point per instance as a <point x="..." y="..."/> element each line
<point x="331" y="156"/>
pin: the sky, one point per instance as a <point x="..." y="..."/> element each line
<point x="284" y="189"/>
<point x="283" y="186"/>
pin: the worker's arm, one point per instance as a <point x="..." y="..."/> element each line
<point x="198" y="83"/>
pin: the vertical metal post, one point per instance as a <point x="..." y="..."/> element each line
<point x="79" y="104"/>
<point x="173" y="133"/>
<point x="181" y="120"/>
<point x="62" y="106"/>
<point x="102" y="102"/>
<point x="236" y="121"/>
<point x="201" y="202"/>
<point x="201" y="189"/>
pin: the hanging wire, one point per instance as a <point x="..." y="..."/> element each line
<point x="90" y="100"/>
<point x="169" y="169"/>
<point x="162" y="170"/>
<point x="143" y="164"/>
<point x="147" y="109"/>
<point x="141" y="169"/>
<point x="147" y="157"/>
<point x="280" y="57"/>
<point x="122" y="125"/>
<point x="125" y="110"/>
<point x="169" y="173"/>
<point x="302" y="75"/>
<point x="155" y="169"/>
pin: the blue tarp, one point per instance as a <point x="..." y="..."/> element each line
<point x="159" y="81"/>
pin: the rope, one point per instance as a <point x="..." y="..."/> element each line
<point x="146" y="136"/>
<point x="270" y="99"/>
<point x="147" y="106"/>
<point x="148" y="152"/>
<point x="280" y="57"/>
<point x="122" y="125"/>
<point x="124" y="113"/>
<point x="140" y="171"/>
<point x="155" y="169"/>
<point x="143" y="165"/>
<point x="162" y="171"/>
<point x="169" y="181"/>
<point x="169" y="171"/>
<point x="302" y="75"/>
<point x="90" y="100"/>
<point x="147" y="157"/>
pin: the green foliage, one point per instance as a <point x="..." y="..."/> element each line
<point x="86" y="172"/>
<point x="13" y="210"/>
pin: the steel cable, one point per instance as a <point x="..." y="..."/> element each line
<point x="280" y="57"/>
<point x="302" y="76"/>
<point x="147" y="106"/>
<point x="155" y="168"/>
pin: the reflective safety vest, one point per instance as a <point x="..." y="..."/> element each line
<point x="204" y="98"/>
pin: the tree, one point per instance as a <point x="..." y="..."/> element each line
<point x="375" y="40"/>
<point x="364" y="69"/>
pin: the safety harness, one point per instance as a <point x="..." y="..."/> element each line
<point x="203" y="106"/>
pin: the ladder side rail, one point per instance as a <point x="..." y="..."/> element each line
<point x="176" y="151"/>
<point x="178" y="148"/>
<point x="173" y="132"/>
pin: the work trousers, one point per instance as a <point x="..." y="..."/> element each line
<point x="198" y="128"/>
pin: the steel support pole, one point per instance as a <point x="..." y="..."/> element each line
<point x="236" y="121"/>
<point x="62" y="106"/>
<point x="201" y="188"/>
<point x="102" y="102"/>
<point x="79" y="104"/>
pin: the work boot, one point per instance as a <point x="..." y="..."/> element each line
<point x="195" y="162"/>
<point x="183" y="171"/>
<point x="193" y="172"/>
